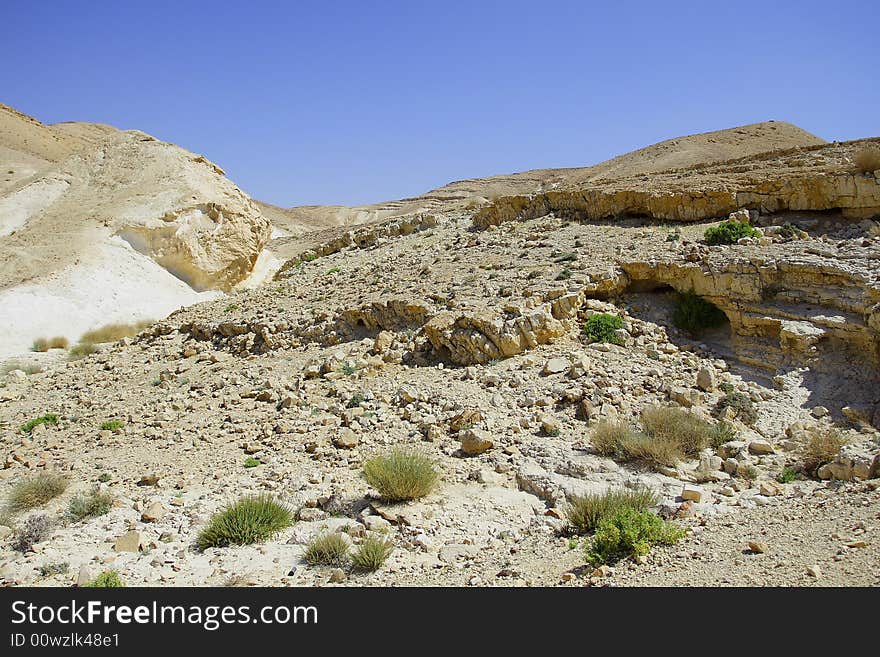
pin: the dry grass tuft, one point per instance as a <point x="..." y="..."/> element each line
<point x="867" y="159"/>
<point x="113" y="332"/>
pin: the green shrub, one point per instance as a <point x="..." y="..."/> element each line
<point x="721" y="433"/>
<point x="109" y="579"/>
<point x="36" y="491"/>
<point x="601" y="327"/>
<point x="401" y="475"/>
<point x="112" y="425"/>
<point x="694" y="314"/>
<point x="585" y="512"/>
<point x="89" y="505"/>
<point x="356" y="400"/>
<point x="48" y="418"/>
<point x="327" y="549"/>
<point x="564" y="275"/>
<point x="744" y="409"/>
<point x="371" y="554"/>
<point x="249" y="520"/>
<point x="629" y="532"/>
<point x="729" y="232"/>
<point x="251" y="462"/>
<point x="821" y="449"/>
<point x="787" y="476"/>
<point x="791" y="232"/>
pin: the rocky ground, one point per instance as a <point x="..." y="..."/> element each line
<point x="466" y="344"/>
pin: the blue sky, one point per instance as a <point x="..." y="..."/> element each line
<point x="358" y="102"/>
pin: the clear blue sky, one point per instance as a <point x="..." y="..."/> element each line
<point x="357" y="102"/>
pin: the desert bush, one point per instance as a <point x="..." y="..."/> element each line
<point x="112" y="425"/>
<point x="867" y="159"/>
<point x="33" y="530"/>
<point x="822" y="448"/>
<point x="787" y="476"/>
<point x="743" y="408"/>
<point x="327" y="549"/>
<point x="89" y="505"/>
<point x="676" y="425"/>
<point x="251" y="462"/>
<point x="40" y="344"/>
<point x="629" y="532"/>
<point x="249" y="520"/>
<point x="48" y="418"/>
<point x="609" y="439"/>
<point x="58" y="342"/>
<point x="109" y="579"/>
<point x="729" y="232"/>
<point x="356" y="400"/>
<point x="371" y="554"/>
<point x="601" y="327"/>
<point x="49" y="569"/>
<point x="35" y="491"/>
<point x="113" y="332"/>
<point x="401" y="475"/>
<point x="721" y="433"/>
<point x="694" y="314"/>
<point x="655" y="452"/>
<point x="585" y="512"/>
<point x="82" y="350"/>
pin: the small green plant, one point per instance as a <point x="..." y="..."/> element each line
<point x="356" y="400"/>
<point x="573" y="543"/>
<point x="401" y="475"/>
<point x="743" y="408"/>
<point x="729" y="232"/>
<point x="564" y="275"/>
<point x="48" y="418"/>
<point x="585" y="512"/>
<point x="673" y="236"/>
<point x="371" y="554"/>
<point x="749" y="473"/>
<point x="694" y="314"/>
<point x="89" y="505"/>
<point x="327" y="549"/>
<point x="787" y="476"/>
<point x="249" y="520"/>
<point x="348" y="369"/>
<point x="231" y="307"/>
<point x="34" y="530"/>
<point x="629" y="532"/>
<point x="251" y="462"/>
<point x="109" y="579"/>
<point x="49" y="569"/>
<point x="566" y="257"/>
<point x="112" y="425"/>
<point x="721" y="433"/>
<point x="791" y="232"/>
<point x="36" y="491"/>
<point x="333" y="270"/>
<point x="104" y="477"/>
<point x="602" y="327"/>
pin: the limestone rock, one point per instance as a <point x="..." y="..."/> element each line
<point x="475" y="441"/>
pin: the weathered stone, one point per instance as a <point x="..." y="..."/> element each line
<point x="153" y="513"/>
<point x="706" y="378"/>
<point x="346" y="438"/>
<point x="128" y="542"/>
<point x="475" y="441"/>
<point x="692" y="493"/>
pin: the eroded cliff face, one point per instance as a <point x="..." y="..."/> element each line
<point x="820" y="178"/>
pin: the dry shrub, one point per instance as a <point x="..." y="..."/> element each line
<point x="58" y="342"/>
<point x="113" y="332"/>
<point x="821" y="449"/>
<point x="867" y="159"/>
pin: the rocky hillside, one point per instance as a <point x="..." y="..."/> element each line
<point x="537" y="348"/>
